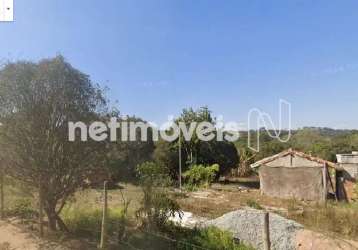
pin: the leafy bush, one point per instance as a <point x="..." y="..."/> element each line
<point x="201" y="175"/>
<point x="157" y="205"/>
<point x="210" y="238"/>
<point x="153" y="174"/>
<point x="156" y="208"/>
<point x="253" y="204"/>
<point x="23" y="208"/>
<point x="214" y="238"/>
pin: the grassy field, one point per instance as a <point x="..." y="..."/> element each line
<point x="92" y="198"/>
<point x="83" y="215"/>
<point x="334" y="218"/>
<point x="83" y="211"/>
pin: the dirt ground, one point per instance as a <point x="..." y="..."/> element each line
<point x="220" y="199"/>
<point x="14" y="236"/>
<point x="308" y="240"/>
<point x="209" y="203"/>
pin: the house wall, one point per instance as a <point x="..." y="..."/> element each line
<point x="349" y="162"/>
<point x="350" y="171"/>
<point x="347" y="158"/>
<point x="302" y="183"/>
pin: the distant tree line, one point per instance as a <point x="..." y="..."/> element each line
<point x="37" y="100"/>
<point x="320" y="142"/>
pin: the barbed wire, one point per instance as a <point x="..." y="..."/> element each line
<point x="113" y="230"/>
<point x="158" y="235"/>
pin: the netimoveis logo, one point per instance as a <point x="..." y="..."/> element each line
<point x="6" y="10"/>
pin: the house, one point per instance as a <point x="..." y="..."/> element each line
<point x="349" y="164"/>
<point x="347" y="175"/>
<point x="294" y="174"/>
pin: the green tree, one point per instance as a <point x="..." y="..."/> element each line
<point x="124" y="156"/>
<point x="247" y="157"/>
<point x="37" y="100"/>
<point x="200" y="175"/>
<point x="189" y="116"/>
<point x="166" y="154"/>
<point x="196" y="151"/>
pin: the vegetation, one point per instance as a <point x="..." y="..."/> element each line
<point x="36" y="103"/>
<point x="23" y="208"/>
<point x="176" y="238"/>
<point x="213" y="238"/>
<point x="86" y="221"/>
<point x="355" y="192"/>
<point x="37" y="100"/>
<point x="124" y="156"/>
<point x="253" y="204"/>
<point x="336" y="218"/>
<point x="206" y="153"/>
<point x="200" y="175"/>
<point x="246" y="158"/>
<point x="166" y="154"/>
<point x="157" y="205"/>
<point x="210" y="238"/>
<point x="321" y="142"/>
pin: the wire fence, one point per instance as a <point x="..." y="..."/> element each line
<point x="117" y="231"/>
<point x="115" y="237"/>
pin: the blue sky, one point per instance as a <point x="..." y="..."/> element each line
<point x="158" y="57"/>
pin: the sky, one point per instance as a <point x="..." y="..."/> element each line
<point x="158" y="57"/>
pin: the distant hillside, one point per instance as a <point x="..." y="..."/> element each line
<point x="322" y="142"/>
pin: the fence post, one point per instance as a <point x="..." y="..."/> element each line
<point x="103" y="243"/>
<point x="41" y="226"/>
<point x="266" y="232"/>
<point x="2" y="194"/>
<point x="324" y="174"/>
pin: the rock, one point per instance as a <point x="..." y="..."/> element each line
<point x="246" y="225"/>
<point x="188" y="220"/>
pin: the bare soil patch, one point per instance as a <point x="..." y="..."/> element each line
<point x="220" y="199"/>
<point x="14" y="236"/>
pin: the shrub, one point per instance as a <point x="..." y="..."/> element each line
<point x="87" y="221"/>
<point x="253" y="204"/>
<point x="153" y="174"/>
<point x="157" y="205"/>
<point x="156" y="209"/>
<point x="210" y="238"/>
<point x="23" y="208"/>
<point x="200" y="175"/>
<point x="214" y="238"/>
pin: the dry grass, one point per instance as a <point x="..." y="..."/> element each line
<point x="338" y="219"/>
<point x="221" y="199"/>
<point x="92" y="198"/>
<point x="333" y="218"/>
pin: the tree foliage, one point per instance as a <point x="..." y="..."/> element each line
<point x="211" y="152"/>
<point x="157" y="205"/>
<point x="320" y="142"/>
<point x="166" y="154"/>
<point x="37" y="100"/>
<point x="124" y="156"/>
<point x="200" y="175"/>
